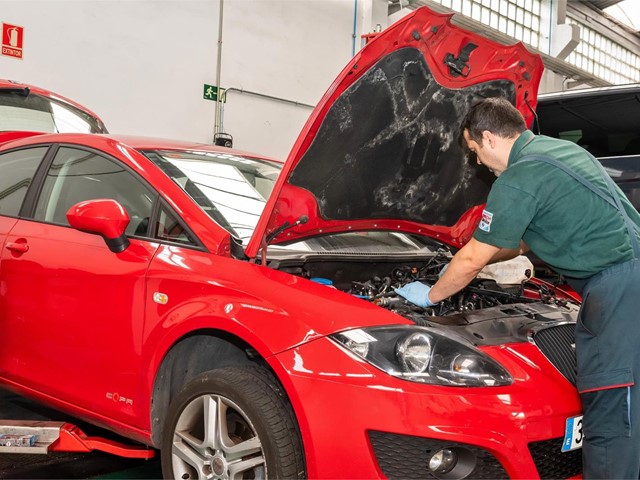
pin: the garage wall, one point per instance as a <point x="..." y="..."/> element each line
<point x="142" y="64"/>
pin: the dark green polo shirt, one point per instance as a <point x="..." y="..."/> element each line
<point x="563" y="222"/>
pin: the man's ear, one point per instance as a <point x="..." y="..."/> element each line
<point x="489" y="137"/>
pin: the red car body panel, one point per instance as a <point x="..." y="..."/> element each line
<point x="91" y="323"/>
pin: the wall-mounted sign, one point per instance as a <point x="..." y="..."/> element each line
<point x="211" y="92"/>
<point x="12" y="40"/>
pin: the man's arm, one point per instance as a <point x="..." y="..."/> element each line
<point x="464" y="267"/>
<point x="509" y="253"/>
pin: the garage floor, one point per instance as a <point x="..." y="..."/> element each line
<point x="66" y="465"/>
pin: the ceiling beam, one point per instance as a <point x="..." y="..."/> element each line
<point x="599" y="4"/>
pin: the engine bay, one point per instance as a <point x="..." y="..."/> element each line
<point x="376" y="279"/>
<point x="485" y="312"/>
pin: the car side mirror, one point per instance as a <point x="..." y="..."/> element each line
<point x="104" y="217"/>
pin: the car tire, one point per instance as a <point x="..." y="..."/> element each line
<point x="256" y="438"/>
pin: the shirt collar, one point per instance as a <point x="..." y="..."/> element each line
<point x="524" y="138"/>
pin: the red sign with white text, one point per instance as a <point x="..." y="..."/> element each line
<point x="12" y="40"/>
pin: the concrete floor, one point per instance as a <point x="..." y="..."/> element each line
<point x="66" y="465"/>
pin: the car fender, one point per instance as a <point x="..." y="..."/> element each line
<point x="268" y="325"/>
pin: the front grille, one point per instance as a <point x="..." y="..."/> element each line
<point x="558" y="345"/>
<point x="551" y="462"/>
<point x="404" y="456"/>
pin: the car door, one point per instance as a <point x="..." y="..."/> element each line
<point x="73" y="311"/>
<point x="18" y="169"/>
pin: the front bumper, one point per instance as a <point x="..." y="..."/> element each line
<point x="359" y="422"/>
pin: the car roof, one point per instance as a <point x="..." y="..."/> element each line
<point x="132" y="141"/>
<point x="152" y="143"/>
<point x="632" y="88"/>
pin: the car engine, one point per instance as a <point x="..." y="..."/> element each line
<point x="376" y="279"/>
<point x="480" y="293"/>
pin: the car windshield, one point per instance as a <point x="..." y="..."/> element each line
<point x="233" y="190"/>
<point x="21" y="110"/>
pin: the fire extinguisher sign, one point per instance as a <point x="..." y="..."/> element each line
<point x="12" y="40"/>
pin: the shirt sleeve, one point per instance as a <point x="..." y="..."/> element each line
<point x="506" y="216"/>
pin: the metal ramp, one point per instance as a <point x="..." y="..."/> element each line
<point x="42" y="437"/>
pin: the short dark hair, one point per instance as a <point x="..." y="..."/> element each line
<point x="495" y="114"/>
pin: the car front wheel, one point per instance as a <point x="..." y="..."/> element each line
<point x="232" y="423"/>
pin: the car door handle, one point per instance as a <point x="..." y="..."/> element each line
<point x="17" y="247"/>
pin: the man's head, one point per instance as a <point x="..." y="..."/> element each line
<point x="489" y="130"/>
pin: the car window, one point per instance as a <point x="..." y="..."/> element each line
<point x="170" y="228"/>
<point x="604" y="144"/>
<point x="625" y="171"/>
<point x="31" y="112"/>
<point x="230" y="188"/>
<point x="632" y="191"/>
<point x="605" y="123"/>
<point x="18" y="169"/>
<point x="77" y="175"/>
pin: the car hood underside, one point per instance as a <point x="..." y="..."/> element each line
<point x="381" y="151"/>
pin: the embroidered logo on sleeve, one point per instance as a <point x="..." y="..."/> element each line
<point x="485" y="222"/>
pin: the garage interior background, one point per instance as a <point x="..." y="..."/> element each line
<point x="142" y="65"/>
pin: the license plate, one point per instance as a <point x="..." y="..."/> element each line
<point x="573" y="435"/>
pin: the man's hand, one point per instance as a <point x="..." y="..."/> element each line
<point x="416" y="293"/>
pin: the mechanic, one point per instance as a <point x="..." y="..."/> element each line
<point x="553" y="197"/>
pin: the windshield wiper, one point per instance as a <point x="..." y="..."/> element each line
<point x="286" y="226"/>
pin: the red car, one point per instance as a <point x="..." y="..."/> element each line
<point x="26" y="109"/>
<point x="240" y="315"/>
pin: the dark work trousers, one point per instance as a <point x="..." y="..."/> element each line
<point x="608" y="355"/>
<point x="608" y="352"/>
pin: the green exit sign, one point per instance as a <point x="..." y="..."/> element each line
<point x="211" y="93"/>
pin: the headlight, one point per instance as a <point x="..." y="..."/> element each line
<point x="421" y="354"/>
<point x="414" y="352"/>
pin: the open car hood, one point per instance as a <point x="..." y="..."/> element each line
<point x="381" y="150"/>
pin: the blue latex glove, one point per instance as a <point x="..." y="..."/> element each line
<point x="416" y="293"/>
